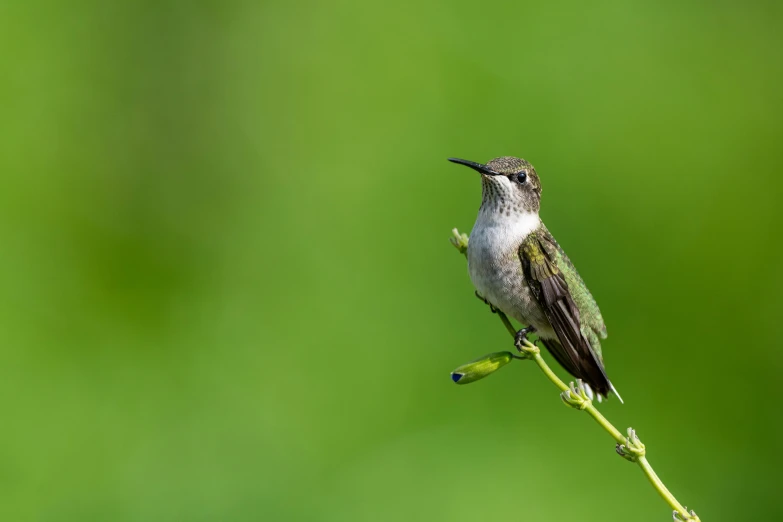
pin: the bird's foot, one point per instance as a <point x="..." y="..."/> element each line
<point x="491" y="306"/>
<point x="521" y="337"/>
<point x="522" y="344"/>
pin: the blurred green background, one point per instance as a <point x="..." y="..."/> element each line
<point x="228" y="292"/>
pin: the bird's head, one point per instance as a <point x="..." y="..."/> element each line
<point x="508" y="184"/>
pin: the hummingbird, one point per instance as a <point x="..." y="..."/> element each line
<point x="518" y="267"/>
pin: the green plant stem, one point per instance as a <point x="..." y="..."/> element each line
<point x="660" y="487"/>
<point x="641" y="459"/>
<point x="606" y="425"/>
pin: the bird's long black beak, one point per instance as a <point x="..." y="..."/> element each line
<point x="475" y="166"/>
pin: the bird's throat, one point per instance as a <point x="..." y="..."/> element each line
<point x="509" y="225"/>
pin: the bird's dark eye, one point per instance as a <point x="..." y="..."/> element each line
<point x="521" y="177"/>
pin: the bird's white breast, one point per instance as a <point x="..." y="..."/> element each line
<point x="493" y="260"/>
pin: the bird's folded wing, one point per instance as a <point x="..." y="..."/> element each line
<point x="549" y="286"/>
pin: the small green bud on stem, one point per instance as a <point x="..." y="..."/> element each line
<point x="576" y="396"/>
<point x="633" y="448"/>
<point x="481" y="367"/>
<point x="460" y="241"/>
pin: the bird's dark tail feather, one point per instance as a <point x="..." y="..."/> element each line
<point x="591" y="372"/>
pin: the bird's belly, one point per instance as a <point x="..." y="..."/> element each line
<point x="496" y="271"/>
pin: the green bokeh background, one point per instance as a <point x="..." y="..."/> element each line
<point x="228" y="293"/>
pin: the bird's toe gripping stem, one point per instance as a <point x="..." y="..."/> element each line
<point x="521" y="337"/>
<point x="522" y="344"/>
